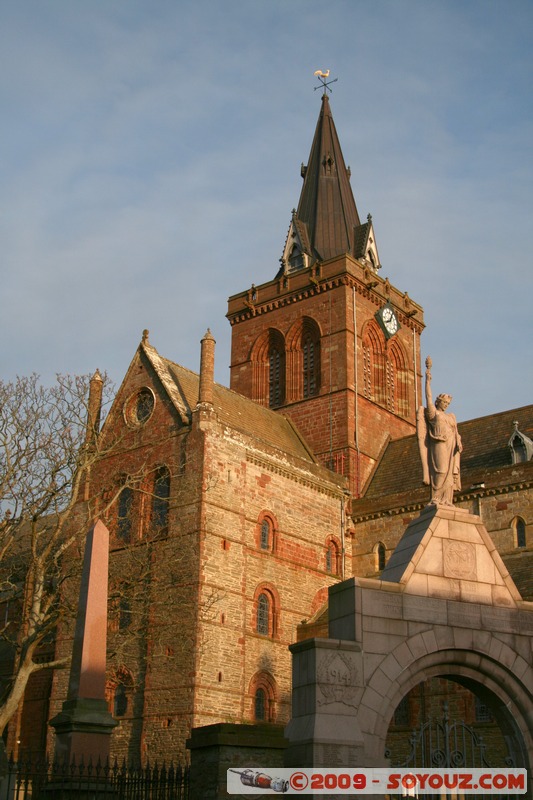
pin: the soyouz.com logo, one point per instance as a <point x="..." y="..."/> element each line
<point x="408" y="782"/>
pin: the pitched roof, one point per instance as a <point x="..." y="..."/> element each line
<point x="327" y="209"/>
<point x="268" y="428"/>
<point x="520" y="566"/>
<point x="486" y="459"/>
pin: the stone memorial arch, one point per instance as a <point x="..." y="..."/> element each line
<point x="445" y="606"/>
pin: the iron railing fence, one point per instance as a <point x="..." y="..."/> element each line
<point x="41" y="779"/>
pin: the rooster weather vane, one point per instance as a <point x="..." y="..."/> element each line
<point x="323" y="78"/>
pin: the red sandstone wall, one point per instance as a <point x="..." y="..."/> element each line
<point x="328" y="420"/>
<point x="245" y="484"/>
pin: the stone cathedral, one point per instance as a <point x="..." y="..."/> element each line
<point x="234" y="509"/>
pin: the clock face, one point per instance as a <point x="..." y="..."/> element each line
<point x="388" y="320"/>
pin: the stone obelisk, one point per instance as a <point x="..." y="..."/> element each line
<point x="84" y="725"/>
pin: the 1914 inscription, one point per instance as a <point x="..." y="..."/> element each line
<point x="337" y="679"/>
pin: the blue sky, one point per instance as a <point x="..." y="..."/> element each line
<point x="151" y="157"/>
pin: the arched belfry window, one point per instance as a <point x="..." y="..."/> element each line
<point x="276" y="369"/>
<point x="303" y="366"/>
<point x="385" y="375"/>
<point x="311" y="361"/>
<point x="308" y="349"/>
<point x="268" y="369"/>
<point x="374" y="379"/>
<point x="397" y="380"/>
<point x="275" y="364"/>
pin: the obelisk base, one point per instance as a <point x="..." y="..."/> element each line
<point x="83" y="730"/>
<point x="83" y="727"/>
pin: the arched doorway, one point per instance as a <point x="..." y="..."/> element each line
<point x="498" y="687"/>
<point x="446" y="609"/>
<point x="441" y="723"/>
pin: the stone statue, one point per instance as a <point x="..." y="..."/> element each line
<point x="440" y="445"/>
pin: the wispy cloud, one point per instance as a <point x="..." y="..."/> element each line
<point x="151" y="159"/>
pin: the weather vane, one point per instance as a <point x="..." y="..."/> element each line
<point x="323" y="78"/>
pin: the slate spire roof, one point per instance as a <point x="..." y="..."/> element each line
<point x="326" y="223"/>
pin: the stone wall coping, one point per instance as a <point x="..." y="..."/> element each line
<point x="417" y="608"/>
<point x="398" y="588"/>
<point x="236" y="735"/>
<point x="319" y="643"/>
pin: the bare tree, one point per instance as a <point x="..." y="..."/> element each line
<point x="47" y="446"/>
<point x="58" y="473"/>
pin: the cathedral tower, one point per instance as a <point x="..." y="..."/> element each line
<point x="329" y="342"/>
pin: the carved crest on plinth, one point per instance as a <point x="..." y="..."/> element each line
<point x="460" y="560"/>
<point x="338" y="679"/>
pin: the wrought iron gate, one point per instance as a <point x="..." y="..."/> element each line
<point x="447" y="744"/>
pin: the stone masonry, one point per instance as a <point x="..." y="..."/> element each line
<point x="446" y="605"/>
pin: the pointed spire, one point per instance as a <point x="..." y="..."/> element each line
<point x="327" y="211"/>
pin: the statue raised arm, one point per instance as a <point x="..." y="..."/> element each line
<point x="440" y="445"/>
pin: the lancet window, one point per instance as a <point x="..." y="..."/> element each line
<point x="333" y="557"/>
<point x="397" y="386"/>
<point x="374" y="364"/>
<point x="260" y="705"/>
<point x="266" y="531"/>
<point x="519" y="530"/>
<point x="381" y="556"/>
<point x="265" y="535"/>
<point x="119" y="692"/>
<point x="160" y="500"/>
<point x="263" y="693"/>
<point x="303" y="360"/>
<point x="124" y="514"/>
<point x="385" y="375"/>
<point x="311" y="365"/>
<point x="275" y="376"/>
<point x="287" y="371"/>
<point x="265" y="611"/>
<point x="268" y="363"/>
<point x="263" y="614"/>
